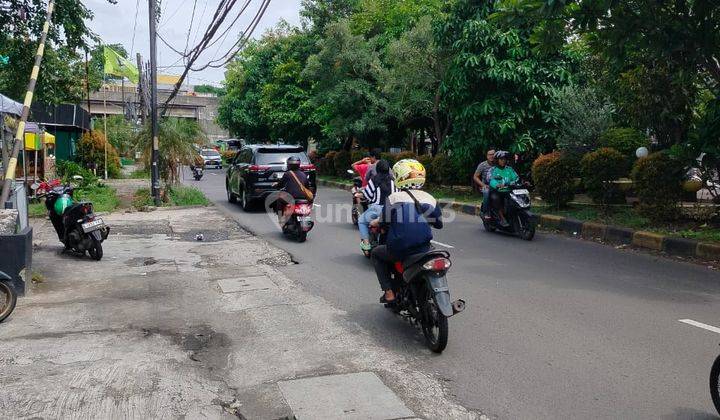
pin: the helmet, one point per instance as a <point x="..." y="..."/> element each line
<point x="62" y="203"/>
<point x="409" y="173"/>
<point x="501" y="154"/>
<point x="293" y="163"/>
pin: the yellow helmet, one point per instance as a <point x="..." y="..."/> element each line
<point x="409" y="173"/>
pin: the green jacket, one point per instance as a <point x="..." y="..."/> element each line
<point x="507" y="176"/>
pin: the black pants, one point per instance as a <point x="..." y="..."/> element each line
<point x="498" y="199"/>
<point x="382" y="259"/>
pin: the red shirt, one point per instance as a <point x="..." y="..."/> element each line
<point x="362" y="169"/>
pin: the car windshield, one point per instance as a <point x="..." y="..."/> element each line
<point x="211" y="153"/>
<point x="280" y="157"/>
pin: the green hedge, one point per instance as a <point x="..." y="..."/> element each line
<point x="624" y="140"/>
<point x="554" y="177"/>
<point x="600" y="167"/>
<point x="656" y="180"/>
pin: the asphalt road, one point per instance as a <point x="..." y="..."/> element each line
<point x="554" y="328"/>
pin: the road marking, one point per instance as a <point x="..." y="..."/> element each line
<point x="700" y="325"/>
<point x="442" y="244"/>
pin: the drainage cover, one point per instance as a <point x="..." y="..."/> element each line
<point x="351" y="396"/>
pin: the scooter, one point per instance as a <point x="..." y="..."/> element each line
<point x="519" y="219"/>
<point x="715" y="383"/>
<point x="422" y="294"/>
<point x="300" y="223"/>
<point x="359" y="205"/>
<point x="197" y="172"/>
<point x="75" y="223"/>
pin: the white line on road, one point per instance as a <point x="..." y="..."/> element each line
<point x="442" y="244"/>
<point x="700" y="325"/>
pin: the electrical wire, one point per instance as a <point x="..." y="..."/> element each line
<point x="132" y="44"/>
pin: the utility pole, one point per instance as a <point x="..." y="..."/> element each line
<point x="141" y="83"/>
<point x="154" y="170"/>
<point x="20" y="133"/>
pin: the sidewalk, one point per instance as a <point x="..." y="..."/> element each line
<point x="166" y="326"/>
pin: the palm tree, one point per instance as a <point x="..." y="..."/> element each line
<point x="179" y="139"/>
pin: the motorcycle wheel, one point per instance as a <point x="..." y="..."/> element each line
<point x="355" y="215"/>
<point x="95" y="251"/>
<point x="8" y="300"/>
<point x="715" y="384"/>
<point x="527" y="230"/>
<point x="488" y="227"/>
<point x="434" y="327"/>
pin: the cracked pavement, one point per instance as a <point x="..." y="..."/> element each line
<point x="148" y="333"/>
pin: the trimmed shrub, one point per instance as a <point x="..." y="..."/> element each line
<point x="66" y="169"/>
<point x="356" y="155"/>
<point x="341" y="162"/>
<point x="624" y="140"/>
<point x="91" y="152"/>
<point x="553" y="175"/>
<point x="600" y="167"/>
<point x="442" y="169"/>
<point x="405" y="155"/>
<point x="390" y="157"/>
<point x="656" y="180"/>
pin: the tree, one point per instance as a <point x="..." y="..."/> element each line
<point x="583" y="116"/>
<point x="178" y="139"/>
<point x="497" y="90"/>
<point x="387" y="20"/>
<point x="62" y="74"/>
<point x="318" y="14"/>
<point x="217" y="91"/>
<point x="346" y="102"/>
<point x="660" y="51"/>
<point x="412" y="81"/>
<point x="121" y="134"/>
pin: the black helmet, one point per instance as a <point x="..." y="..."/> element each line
<point x="293" y="163"/>
<point x="501" y="154"/>
<point x="382" y="166"/>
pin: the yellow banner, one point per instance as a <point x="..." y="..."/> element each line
<point x="167" y="79"/>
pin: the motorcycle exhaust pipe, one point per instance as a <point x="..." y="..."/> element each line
<point x="458" y="306"/>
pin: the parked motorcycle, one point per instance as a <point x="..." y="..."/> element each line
<point x="520" y="220"/>
<point x="422" y="294"/>
<point x="8" y="297"/>
<point x="358" y="205"/>
<point x="75" y="223"/>
<point x="300" y="222"/>
<point x="197" y="172"/>
<point x="715" y="383"/>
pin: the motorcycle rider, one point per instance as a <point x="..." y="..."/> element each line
<point x="480" y="178"/>
<point x="361" y="167"/>
<point x="373" y="157"/>
<point x="377" y="191"/>
<point x="500" y="178"/>
<point x="408" y="215"/>
<point x="295" y="184"/>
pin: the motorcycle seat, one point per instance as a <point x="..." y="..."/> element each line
<point x="422" y="256"/>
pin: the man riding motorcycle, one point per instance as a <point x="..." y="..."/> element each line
<point x="376" y="192"/>
<point x="500" y="178"/>
<point x="295" y="183"/>
<point x="407" y="216"/>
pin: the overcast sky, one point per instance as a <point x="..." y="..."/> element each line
<point x="115" y="23"/>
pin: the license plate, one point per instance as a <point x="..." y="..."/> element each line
<point x="521" y="192"/>
<point x="94" y="225"/>
<point x="305" y="218"/>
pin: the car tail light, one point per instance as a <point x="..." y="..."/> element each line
<point x="303" y="209"/>
<point x="309" y="167"/>
<point x="437" y="264"/>
<point x="258" y="168"/>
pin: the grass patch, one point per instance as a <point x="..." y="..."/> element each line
<point x="103" y="197"/>
<point x="183" y="195"/>
<point x="446" y="193"/>
<point x="139" y="174"/>
<point x="180" y="195"/>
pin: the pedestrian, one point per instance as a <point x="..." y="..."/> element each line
<point x="480" y="177"/>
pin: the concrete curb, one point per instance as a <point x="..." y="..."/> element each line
<point x="615" y="235"/>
